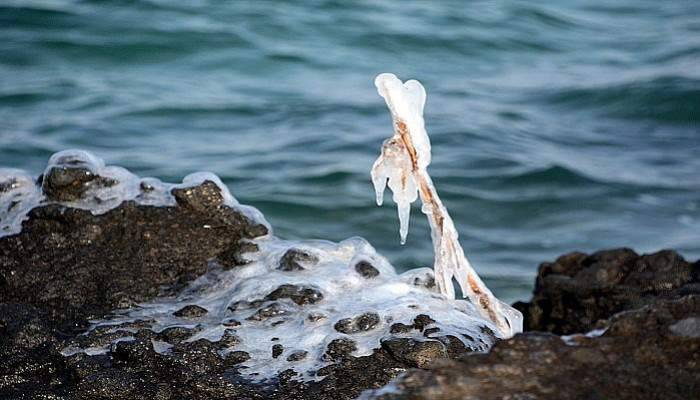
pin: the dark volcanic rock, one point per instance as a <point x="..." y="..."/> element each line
<point x="647" y="309"/>
<point x="229" y="338"/>
<point x="28" y="350"/>
<point x="366" y="269"/>
<point x="176" y="334"/>
<point x="68" y="184"/>
<point x="70" y="177"/>
<point x="577" y="290"/>
<point x="297" y="355"/>
<point x="295" y="259"/>
<point x="419" y="323"/>
<point x="75" y="265"/>
<point x="299" y="294"/>
<point x="415" y="353"/>
<point x="190" y="311"/>
<point x="277" y="350"/>
<point x="639" y="357"/>
<point x="340" y="349"/>
<point x="237" y="357"/>
<point x="68" y="266"/>
<point x="361" y="323"/>
<point x="267" y="312"/>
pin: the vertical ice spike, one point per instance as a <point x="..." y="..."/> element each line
<point x="403" y="163"/>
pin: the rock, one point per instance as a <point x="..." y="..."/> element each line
<point x="190" y="311"/>
<point x="31" y="365"/>
<point x="426" y="281"/>
<point x="229" y="338"/>
<point x="205" y="197"/>
<point x="236" y="257"/>
<point x="270" y="311"/>
<point x="645" y="359"/>
<point x="400" y="328"/>
<point x="133" y="351"/>
<point x="577" y="290"/>
<point x="297" y="355"/>
<point x="237" y="357"/>
<point x="7" y="185"/>
<point x="361" y="323"/>
<point x="277" y="350"/>
<point x="176" y="334"/>
<point x="366" y="270"/>
<point x="340" y="348"/>
<point x="415" y="353"/>
<point x="70" y="177"/>
<point x="301" y="295"/>
<point x="430" y="331"/>
<point x="295" y="259"/>
<point x="129" y="255"/>
<point x="421" y="321"/>
<point x="231" y="323"/>
<point x="645" y="309"/>
<point x="68" y="266"/>
<point x="135" y="252"/>
<point x="313" y="317"/>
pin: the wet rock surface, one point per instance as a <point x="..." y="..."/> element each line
<point x="366" y="269"/>
<point x="361" y="323"/>
<point x="301" y="295"/>
<point x="655" y="346"/>
<point x="575" y="292"/>
<point x="68" y="266"/>
<point x="295" y="259"/>
<point x="75" y="265"/>
<point x="644" y="314"/>
<point x="190" y="311"/>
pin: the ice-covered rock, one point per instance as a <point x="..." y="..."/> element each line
<point x="277" y="314"/>
<point x="79" y="179"/>
<point x="294" y="306"/>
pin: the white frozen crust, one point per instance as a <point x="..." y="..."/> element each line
<point x="395" y="298"/>
<point x="24" y="193"/>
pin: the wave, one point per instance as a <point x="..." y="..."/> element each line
<point x="670" y="99"/>
<point x="549" y="175"/>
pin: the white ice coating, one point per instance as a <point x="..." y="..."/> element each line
<point x="403" y="163"/>
<point x="18" y="195"/>
<point x="232" y="295"/>
<point x="406" y="102"/>
<point x="20" y="192"/>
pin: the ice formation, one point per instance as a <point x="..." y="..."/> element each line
<point x="18" y="195"/>
<point x="103" y="188"/>
<point x="303" y="298"/>
<point x="403" y="164"/>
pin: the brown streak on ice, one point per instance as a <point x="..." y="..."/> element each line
<point x="436" y="214"/>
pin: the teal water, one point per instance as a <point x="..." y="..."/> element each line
<point x="573" y="125"/>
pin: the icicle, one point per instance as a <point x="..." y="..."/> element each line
<point x="403" y="163"/>
<point x="394" y="165"/>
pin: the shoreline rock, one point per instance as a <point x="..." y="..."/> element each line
<point x="632" y="325"/>
<point x="68" y="266"/>
<point x="75" y="265"/>
<point x="575" y="292"/>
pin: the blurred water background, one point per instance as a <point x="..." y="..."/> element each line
<point x="556" y="126"/>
